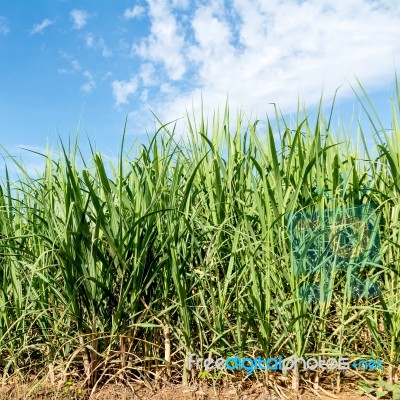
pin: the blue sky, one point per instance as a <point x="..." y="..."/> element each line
<point x="93" y="63"/>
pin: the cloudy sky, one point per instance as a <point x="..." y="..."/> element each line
<point x="93" y="63"/>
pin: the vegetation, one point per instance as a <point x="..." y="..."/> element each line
<point x="182" y="247"/>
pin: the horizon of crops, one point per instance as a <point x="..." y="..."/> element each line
<point x="182" y="247"/>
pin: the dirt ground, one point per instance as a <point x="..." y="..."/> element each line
<point x="172" y="392"/>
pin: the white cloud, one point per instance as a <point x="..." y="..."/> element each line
<point x="4" y="28"/>
<point x="180" y="3"/>
<point x="79" y="18"/>
<point x="144" y="95"/>
<point x="75" y="65"/>
<point x="89" y="86"/>
<point x="105" y="51"/>
<point x="165" y="42"/>
<point x="92" y="42"/>
<point x="64" y="71"/>
<point x="166" y="88"/>
<point x="107" y="75"/>
<point x="147" y="74"/>
<point x="39" y="28"/>
<point x="123" y="89"/>
<point x="89" y="40"/>
<point x="259" y="52"/>
<point x="212" y="34"/>
<point x="134" y="12"/>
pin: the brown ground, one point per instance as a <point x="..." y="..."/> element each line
<point x="173" y="392"/>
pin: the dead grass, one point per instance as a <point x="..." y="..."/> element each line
<point x="170" y="392"/>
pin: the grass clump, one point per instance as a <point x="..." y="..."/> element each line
<point x="183" y="247"/>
